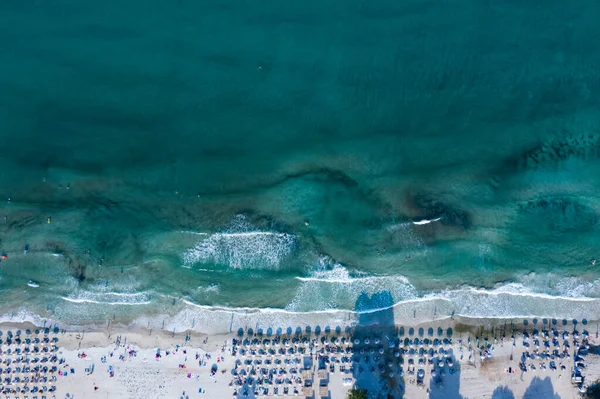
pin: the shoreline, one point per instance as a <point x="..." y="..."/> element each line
<point x="458" y="324"/>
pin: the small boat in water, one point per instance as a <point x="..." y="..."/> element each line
<point x="33" y="284"/>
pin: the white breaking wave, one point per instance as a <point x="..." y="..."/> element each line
<point x="426" y="221"/>
<point x="242" y="249"/>
<point x="331" y="286"/>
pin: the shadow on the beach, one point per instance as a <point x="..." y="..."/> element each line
<point x="503" y="392"/>
<point x="444" y="374"/>
<point x="377" y="360"/>
<point x="541" y="389"/>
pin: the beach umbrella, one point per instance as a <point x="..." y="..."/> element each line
<point x="584" y="322"/>
<point x="411" y="331"/>
<point x="401" y="331"/>
<point x="564" y="322"/>
<point x="421" y="331"/>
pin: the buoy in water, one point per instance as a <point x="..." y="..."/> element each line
<point x="49" y="220"/>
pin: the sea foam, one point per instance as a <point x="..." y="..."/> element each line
<point x="239" y="247"/>
<point x="335" y="288"/>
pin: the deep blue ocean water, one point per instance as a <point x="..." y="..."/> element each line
<point x="276" y="155"/>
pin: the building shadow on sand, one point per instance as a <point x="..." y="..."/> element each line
<point x="377" y="364"/>
<point x="539" y="388"/>
<point x="503" y="392"/>
<point x="444" y="370"/>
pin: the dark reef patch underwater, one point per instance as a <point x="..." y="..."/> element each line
<point x="298" y="155"/>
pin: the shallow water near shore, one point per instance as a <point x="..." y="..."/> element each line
<point x="160" y="161"/>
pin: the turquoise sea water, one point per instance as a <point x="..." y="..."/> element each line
<point x="275" y="155"/>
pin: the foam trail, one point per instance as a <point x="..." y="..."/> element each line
<point x="251" y="234"/>
<point x="81" y="300"/>
<point x="110" y="298"/>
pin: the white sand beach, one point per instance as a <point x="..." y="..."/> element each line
<point x="139" y="363"/>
